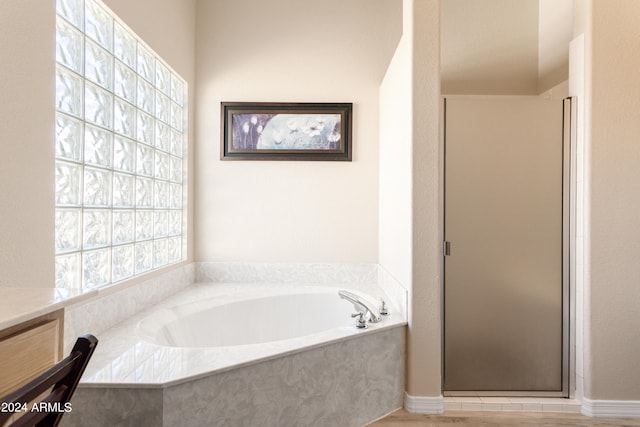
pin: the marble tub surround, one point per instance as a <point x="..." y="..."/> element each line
<point x="99" y="310"/>
<point x="348" y="384"/>
<point x="96" y="312"/>
<point x="395" y="292"/>
<point x="103" y="310"/>
<point x="295" y="273"/>
<point x="127" y="357"/>
<point x="369" y="278"/>
<point x="339" y="377"/>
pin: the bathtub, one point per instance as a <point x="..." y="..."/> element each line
<point x="249" y="321"/>
<point x="247" y="354"/>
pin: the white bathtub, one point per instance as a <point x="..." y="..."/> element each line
<point x="247" y="354"/>
<point x="210" y="323"/>
<point x="211" y="328"/>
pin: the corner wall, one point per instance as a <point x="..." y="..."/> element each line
<point x="285" y="51"/>
<point x="395" y="170"/>
<point x="410" y="194"/>
<point x="425" y="349"/>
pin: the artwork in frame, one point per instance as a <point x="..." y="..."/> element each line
<point x="285" y="131"/>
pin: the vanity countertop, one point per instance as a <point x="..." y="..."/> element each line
<point x="19" y="305"/>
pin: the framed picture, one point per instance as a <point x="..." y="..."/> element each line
<point x="285" y="131"/>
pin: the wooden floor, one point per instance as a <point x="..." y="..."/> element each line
<point x="401" y="418"/>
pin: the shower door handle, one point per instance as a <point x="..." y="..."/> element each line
<point x="446" y="248"/>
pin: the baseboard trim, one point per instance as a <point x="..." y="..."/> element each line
<point x="423" y="405"/>
<point x="611" y="408"/>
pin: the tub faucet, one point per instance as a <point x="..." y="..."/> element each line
<point x="362" y="306"/>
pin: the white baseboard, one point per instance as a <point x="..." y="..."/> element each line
<point x="423" y="405"/>
<point x="611" y="408"/>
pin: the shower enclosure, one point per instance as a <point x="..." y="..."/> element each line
<point x="506" y="323"/>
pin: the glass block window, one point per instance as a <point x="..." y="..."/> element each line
<point x="120" y="144"/>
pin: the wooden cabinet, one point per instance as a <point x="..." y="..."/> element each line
<point x="28" y="349"/>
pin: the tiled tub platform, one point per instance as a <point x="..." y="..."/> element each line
<point x="345" y="383"/>
<point x="340" y="377"/>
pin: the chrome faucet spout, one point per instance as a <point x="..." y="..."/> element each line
<point x="371" y="312"/>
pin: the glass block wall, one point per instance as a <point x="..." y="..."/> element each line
<point x="120" y="143"/>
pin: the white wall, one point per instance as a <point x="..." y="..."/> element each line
<point x="285" y="51"/>
<point x="395" y="176"/>
<point x="27" y="47"/>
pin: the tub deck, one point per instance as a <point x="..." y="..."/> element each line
<point x="125" y="358"/>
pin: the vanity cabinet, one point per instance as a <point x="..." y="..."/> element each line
<point x="29" y="348"/>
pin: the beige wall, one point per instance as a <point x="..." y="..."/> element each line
<point x="504" y="47"/>
<point x="612" y="369"/>
<point x="285" y="51"/>
<point x="171" y="32"/>
<point x="555" y="31"/>
<point x="27" y="49"/>
<point x="490" y="47"/>
<point x="27" y="46"/>
<point x="579" y="17"/>
<point x="424" y="349"/>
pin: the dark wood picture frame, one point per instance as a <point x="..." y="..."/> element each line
<point x="285" y="131"/>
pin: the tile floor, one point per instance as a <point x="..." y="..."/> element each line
<point x="516" y="404"/>
<point x="486" y="418"/>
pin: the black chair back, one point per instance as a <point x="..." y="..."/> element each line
<point x="60" y="381"/>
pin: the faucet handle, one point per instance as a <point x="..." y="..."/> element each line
<point x="383" y="308"/>
<point x="361" y="322"/>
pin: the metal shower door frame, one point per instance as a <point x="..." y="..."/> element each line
<point x="569" y="129"/>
